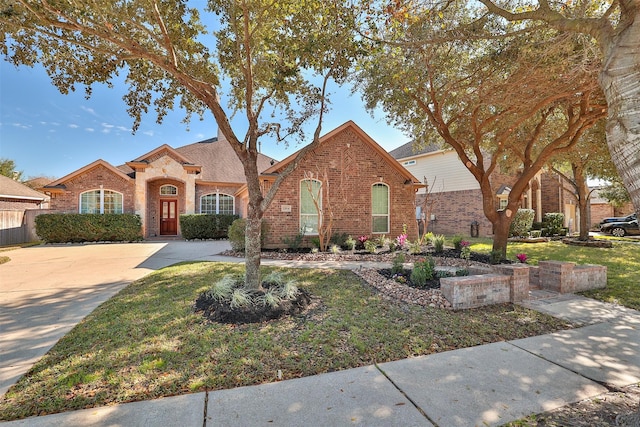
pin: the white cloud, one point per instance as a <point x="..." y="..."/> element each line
<point x="148" y="133"/>
<point x="107" y="125"/>
<point x="21" y="126"/>
<point x="124" y="129"/>
<point x="89" y="129"/>
<point x="74" y="126"/>
<point x="88" y="110"/>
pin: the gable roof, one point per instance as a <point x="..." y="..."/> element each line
<point x="11" y="189"/>
<point x="224" y="164"/>
<point x="409" y="150"/>
<point x="59" y="183"/>
<point x="364" y="137"/>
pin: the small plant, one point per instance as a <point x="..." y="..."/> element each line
<point x="522" y="258"/>
<point x="428" y="237"/>
<point x="370" y="246"/>
<point x="295" y="242"/>
<point x="462" y="272"/>
<point x="392" y="246"/>
<point x="465" y="250"/>
<point x="401" y="241"/>
<point x="381" y="240"/>
<point x="438" y="243"/>
<point x="315" y="250"/>
<point x="289" y="290"/>
<point x="223" y="288"/>
<point x="240" y="297"/>
<point x="335" y="249"/>
<point x="415" y="247"/>
<point x="315" y="241"/>
<point x="270" y="298"/>
<point x="397" y="263"/>
<point x="274" y="278"/>
<point x="495" y="256"/>
<point x="350" y="243"/>
<point x="422" y="272"/>
<point x="363" y="239"/>
<point x="456" y="242"/>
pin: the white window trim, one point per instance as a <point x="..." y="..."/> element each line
<point x="101" y="190"/>
<point x="388" y="214"/>
<point x="304" y="188"/>
<point x="218" y="194"/>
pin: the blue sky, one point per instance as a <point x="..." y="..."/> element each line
<point x="47" y="133"/>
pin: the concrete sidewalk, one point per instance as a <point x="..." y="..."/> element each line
<point x="485" y="385"/>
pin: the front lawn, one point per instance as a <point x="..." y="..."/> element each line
<point x="147" y="342"/>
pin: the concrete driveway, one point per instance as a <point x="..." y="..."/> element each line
<point x="46" y="290"/>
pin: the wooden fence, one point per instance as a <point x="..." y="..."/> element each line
<point x="19" y="226"/>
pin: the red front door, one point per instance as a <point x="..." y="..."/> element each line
<point x="168" y="217"/>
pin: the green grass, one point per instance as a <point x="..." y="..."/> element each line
<point x="147" y="342"/>
<point x="622" y="262"/>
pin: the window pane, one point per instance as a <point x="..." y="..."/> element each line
<point x="168" y="190"/>
<point x="225" y="204"/>
<point x="208" y="204"/>
<point x="112" y="202"/>
<point x="380" y="208"/>
<point x="380" y="198"/>
<point x="90" y="202"/>
<point x="380" y="224"/>
<point x="308" y="210"/>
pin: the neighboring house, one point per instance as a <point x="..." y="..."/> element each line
<point x="19" y="205"/>
<point x="203" y="177"/>
<point x="601" y="208"/>
<point x="451" y="201"/>
<point x="207" y="177"/>
<point x="17" y="196"/>
<point x="364" y="189"/>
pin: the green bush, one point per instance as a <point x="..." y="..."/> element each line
<point x="522" y="223"/>
<point x="76" y="228"/>
<point x="423" y="271"/>
<point x="552" y="223"/>
<point x="237" y="233"/>
<point x="456" y="241"/>
<point x="206" y="226"/>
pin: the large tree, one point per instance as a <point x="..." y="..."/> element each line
<point x="590" y="159"/>
<point x="615" y="26"/>
<point x="8" y="168"/>
<point x="276" y="58"/>
<point x="506" y="105"/>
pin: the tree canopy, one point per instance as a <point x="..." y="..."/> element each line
<point x="504" y="104"/>
<point x="272" y="60"/>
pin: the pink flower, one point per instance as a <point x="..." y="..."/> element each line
<point x="401" y="240"/>
<point x="522" y="257"/>
<point x="464" y="244"/>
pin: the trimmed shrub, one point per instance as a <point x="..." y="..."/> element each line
<point x="552" y="223"/>
<point x="236" y="233"/>
<point x="522" y="223"/>
<point x="206" y="226"/>
<point x="77" y="228"/>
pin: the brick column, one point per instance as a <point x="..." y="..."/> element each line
<point x="518" y="280"/>
<point x="557" y="276"/>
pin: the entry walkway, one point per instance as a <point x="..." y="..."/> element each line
<point x="484" y="385"/>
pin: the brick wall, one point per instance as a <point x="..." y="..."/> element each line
<point x="455" y="211"/>
<point x="352" y="167"/>
<point x="6" y="203"/>
<point x="69" y="200"/>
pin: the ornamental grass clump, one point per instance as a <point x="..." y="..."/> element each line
<point x="438" y="243"/>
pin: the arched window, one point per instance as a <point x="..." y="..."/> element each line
<point x="310" y="194"/>
<point x="101" y="202"/>
<point x="217" y="203"/>
<point x="168" y="190"/>
<point x="380" y="208"/>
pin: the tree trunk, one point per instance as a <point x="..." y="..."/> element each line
<point x="620" y="82"/>
<point x="253" y="230"/>
<point x="501" y="227"/>
<point x="582" y="190"/>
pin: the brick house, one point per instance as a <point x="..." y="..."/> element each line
<point x="203" y="177"/>
<point x="207" y="177"/>
<point x="17" y="196"/>
<point x="19" y="205"/>
<point x="353" y="179"/>
<point x="454" y="200"/>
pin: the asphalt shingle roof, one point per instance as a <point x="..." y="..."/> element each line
<point x="15" y="189"/>
<point x="408" y="150"/>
